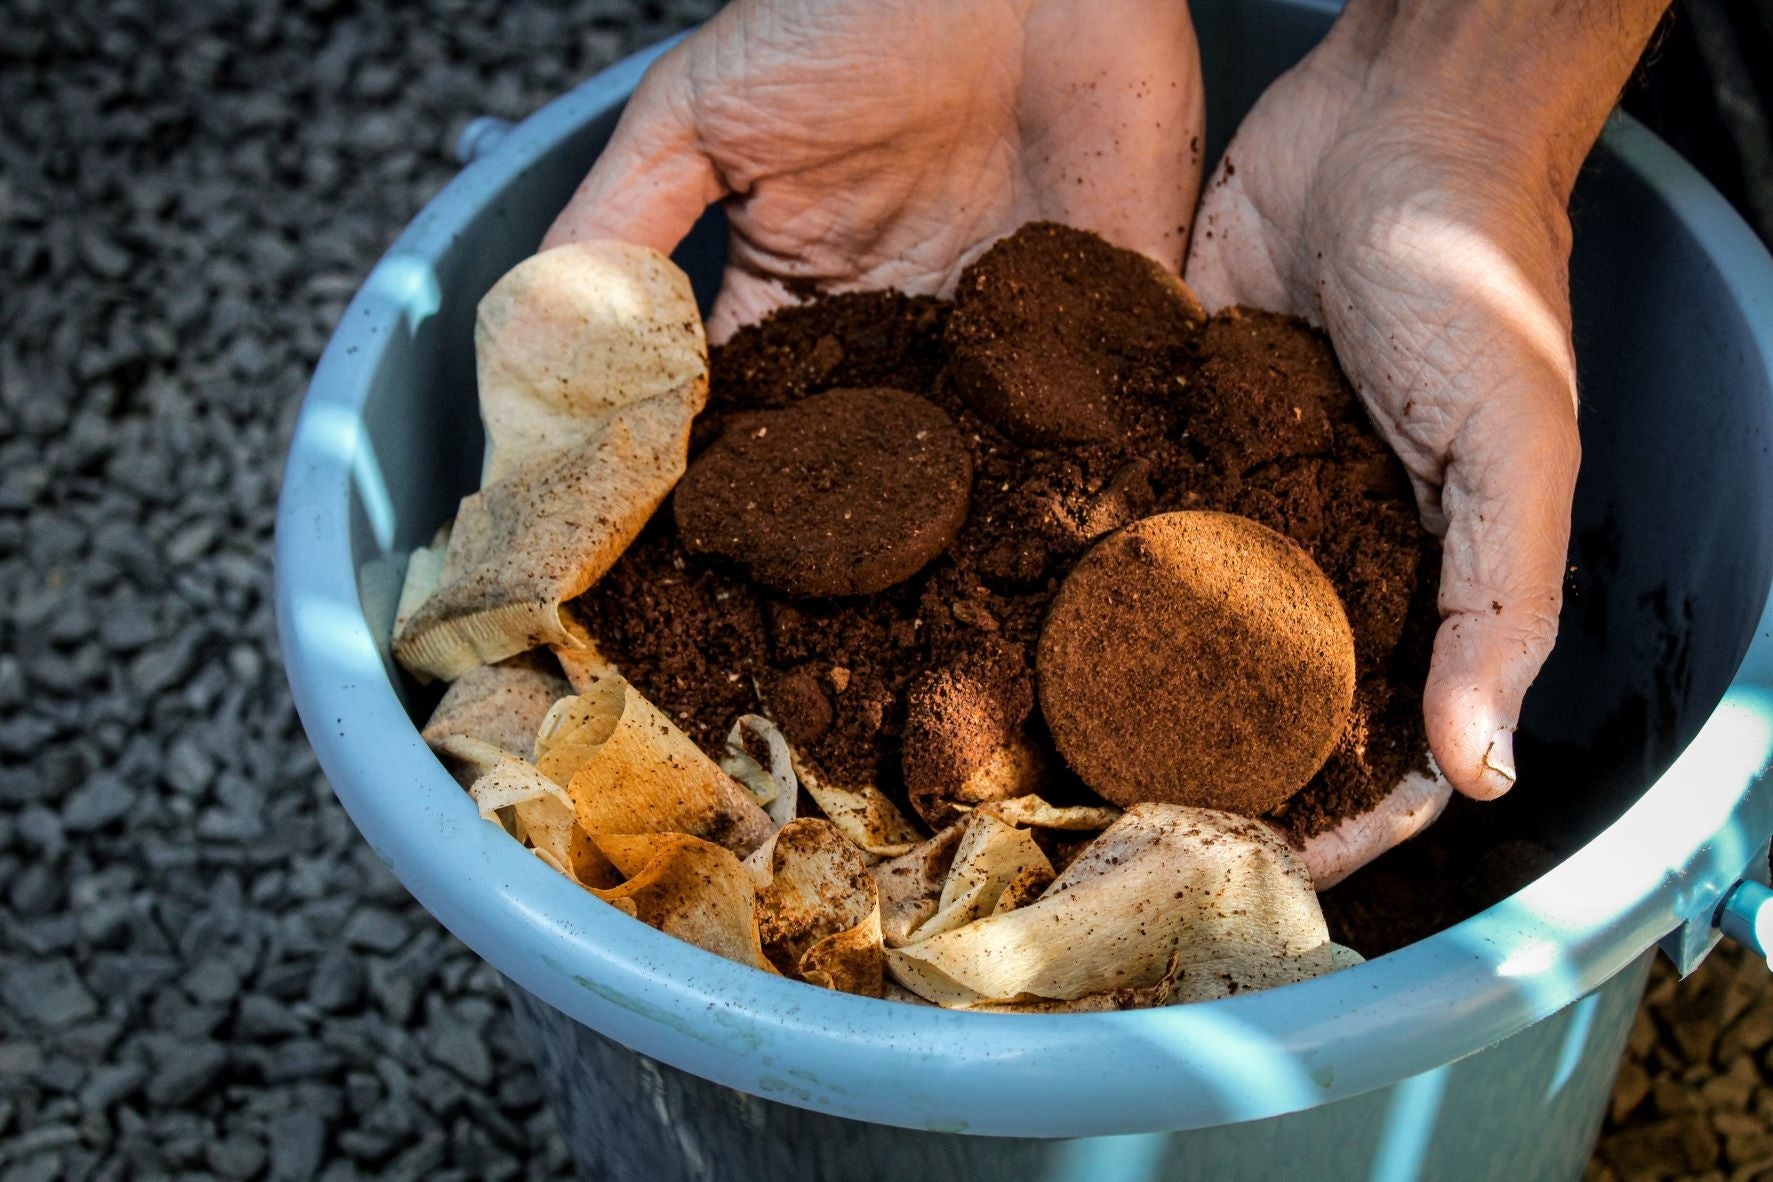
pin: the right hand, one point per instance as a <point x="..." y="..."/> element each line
<point x="1405" y="187"/>
<point x="885" y="143"/>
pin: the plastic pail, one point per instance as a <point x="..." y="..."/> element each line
<point x="1484" y="1050"/>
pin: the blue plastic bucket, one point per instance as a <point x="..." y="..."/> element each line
<point x="1484" y="1050"/>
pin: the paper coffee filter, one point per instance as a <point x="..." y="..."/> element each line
<point x="818" y="908"/>
<point x="573" y="730"/>
<point x="511" y="793"/>
<point x="1168" y="904"/>
<point x="424" y="571"/>
<point x="583" y="662"/>
<point x="1222" y="978"/>
<point x="524" y="546"/>
<point x="1028" y="884"/>
<point x="910" y="885"/>
<point x="502" y="704"/>
<point x="916" y="885"/>
<point x="896" y="992"/>
<point x="771" y="783"/>
<point x="1036" y="813"/>
<point x="688" y="888"/>
<point x="630" y="770"/>
<point x="1201" y="982"/>
<point x="572" y="334"/>
<point x="865" y="814"/>
<point x="591" y="364"/>
<point x="1163" y="881"/>
<point x="849" y="961"/>
<point x="991" y="855"/>
<point x="1134" y="997"/>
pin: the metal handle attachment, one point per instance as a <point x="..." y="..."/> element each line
<point x="481" y="136"/>
<point x="1746" y="916"/>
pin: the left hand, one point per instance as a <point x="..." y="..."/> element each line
<point x="860" y="144"/>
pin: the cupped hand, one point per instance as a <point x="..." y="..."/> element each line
<point x="1434" y="252"/>
<point x="885" y="143"/>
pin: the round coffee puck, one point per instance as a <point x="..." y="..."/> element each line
<point x="1196" y="658"/>
<point x="844" y="493"/>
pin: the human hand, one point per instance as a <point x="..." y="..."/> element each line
<point x="885" y="143"/>
<point x="1405" y="187"/>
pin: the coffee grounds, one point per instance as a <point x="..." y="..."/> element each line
<point x="842" y="493"/>
<point x="1088" y="374"/>
<point x="878" y="339"/>
<point x="958" y="719"/>
<point x="1199" y="659"/>
<point x="706" y="644"/>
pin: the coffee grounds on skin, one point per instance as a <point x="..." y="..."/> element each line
<point x="706" y="645"/>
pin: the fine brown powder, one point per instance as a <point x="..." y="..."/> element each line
<point x="1196" y="658"/>
<point x="1250" y="416"/>
<point x="842" y="493"/>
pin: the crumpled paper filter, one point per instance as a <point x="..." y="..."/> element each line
<point x="592" y="365"/>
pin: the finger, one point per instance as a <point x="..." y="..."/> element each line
<point x="1208" y="270"/>
<point x="1121" y="155"/>
<point x="1229" y="261"/>
<point x="652" y="180"/>
<point x="1412" y="807"/>
<point x="1506" y="497"/>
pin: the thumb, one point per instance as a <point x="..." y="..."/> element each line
<point x="1413" y="806"/>
<point x="1506" y="495"/>
<point x="652" y="180"/>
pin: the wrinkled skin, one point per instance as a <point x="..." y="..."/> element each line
<point x="1436" y="258"/>
<point x="875" y="143"/>
<point x="886" y="143"/>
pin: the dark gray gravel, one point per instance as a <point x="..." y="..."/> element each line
<point x="203" y="971"/>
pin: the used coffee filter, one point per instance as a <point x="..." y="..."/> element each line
<point x="592" y="365"/>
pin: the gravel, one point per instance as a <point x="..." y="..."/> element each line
<point x="1694" y="1097"/>
<point x="47" y="993"/>
<point x="298" y="1144"/>
<point x="205" y="973"/>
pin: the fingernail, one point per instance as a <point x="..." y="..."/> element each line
<point x="1499" y="761"/>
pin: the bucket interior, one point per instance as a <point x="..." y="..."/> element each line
<point x="1670" y="556"/>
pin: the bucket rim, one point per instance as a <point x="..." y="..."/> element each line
<point x="1659" y="867"/>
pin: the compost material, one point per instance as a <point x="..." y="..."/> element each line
<point x="844" y="493"/>
<point x="1248" y="415"/>
<point x="1198" y="658"/>
<point x="1058" y="338"/>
